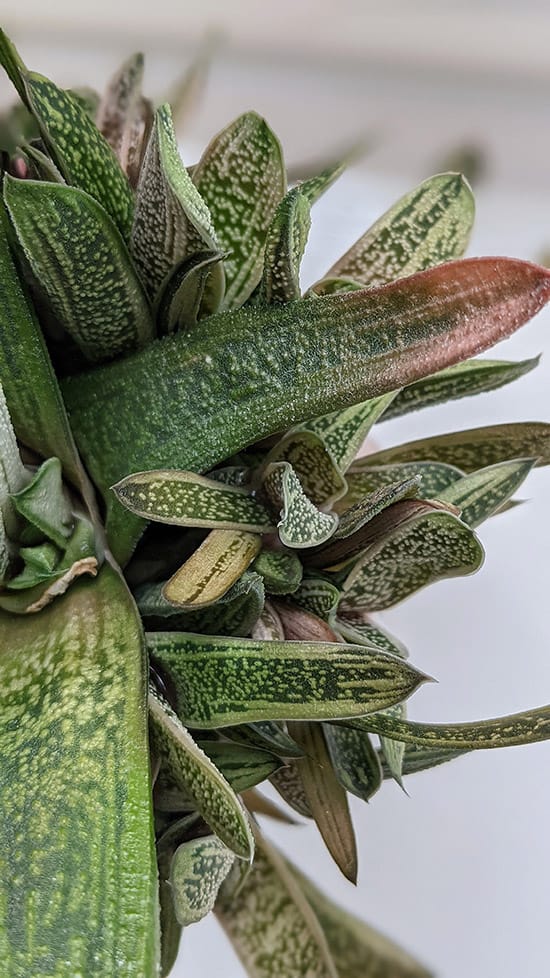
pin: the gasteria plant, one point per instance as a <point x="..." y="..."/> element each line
<point x="155" y="348"/>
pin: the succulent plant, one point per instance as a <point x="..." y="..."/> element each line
<point x="179" y="480"/>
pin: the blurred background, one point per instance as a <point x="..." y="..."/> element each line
<point x="458" y="870"/>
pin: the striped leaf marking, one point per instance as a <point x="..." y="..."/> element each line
<point x="471" y="449"/>
<point x="242" y="767"/>
<point x="284" y="249"/>
<point x="81" y="153"/>
<point x="343" y="432"/>
<point x="234" y="613"/>
<point x="354" y="759"/>
<point x="212" y="569"/>
<point x="358" y="950"/>
<point x="427" y="226"/>
<point x="187" y="499"/>
<point x="198" y="869"/>
<point x="241" y="176"/>
<point x="482" y="493"/>
<point x="364" y="479"/>
<point x="73" y="727"/>
<point x="196" y="776"/>
<point x="319" y="596"/>
<point x="349" y="537"/>
<point x="312" y="462"/>
<point x="281" y="571"/>
<point x="82" y="264"/>
<point x="426" y="548"/>
<point x="270" y="923"/>
<point x="250" y="377"/>
<point x="326" y="797"/>
<point x="26" y="373"/>
<point x="529" y="727"/>
<point x="171" y="218"/>
<point x="192" y="290"/>
<point x="301" y="524"/>
<point x="462" y="380"/>
<point x="223" y="681"/>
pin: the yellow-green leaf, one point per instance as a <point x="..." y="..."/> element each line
<point x="212" y="569"/>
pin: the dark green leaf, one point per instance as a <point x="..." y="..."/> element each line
<point x="318" y="596"/>
<point x="235" y="613"/>
<point x="242" y="767"/>
<point x="266" y="735"/>
<point x="192" y="290"/>
<point x="354" y="759"/>
<point x="281" y="571"/>
<point x="288" y="782"/>
<point x="312" y="462"/>
<point x="284" y="249"/>
<point x="360" y="631"/>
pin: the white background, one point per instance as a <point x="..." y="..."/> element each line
<point x="458" y="871"/>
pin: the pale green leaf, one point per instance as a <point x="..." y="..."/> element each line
<point x="196" y="776"/>
<point x="192" y="290"/>
<point x="13" y="475"/>
<point x="43" y="503"/>
<point x="364" y="478"/>
<point x="223" y="681"/>
<point x="199" y="868"/>
<point x="312" y="462"/>
<point x="284" y="249"/>
<point x="82" y="265"/>
<point x="482" y="493"/>
<point x="300" y="524"/>
<point x="334" y="286"/>
<point x="429" y="225"/>
<point x="212" y="569"/>
<point x="343" y="432"/>
<point x="41" y="167"/>
<point x="241" y="177"/>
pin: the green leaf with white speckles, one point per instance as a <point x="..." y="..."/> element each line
<point x="196" y="776"/>
<point x="241" y="176"/>
<point x="82" y="265"/>
<point x="225" y="681"/>
<point x="187" y="499"/>
<point x="482" y="493"/>
<point x="471" y="449"/>
<point x="243" y="767"/>
<point x="267" y="735"/>
<point x="529" y="727"/>
<point x="363" y="479"/>
<point x="362" y="631"/>
<point x="359" y="951"/>
<point x="281" y="571"/>
<point x="270" y="923"/>
<point x="284" y="249"/>
<point x="235" y="613"/>
<point x="171" y="219"/>
<point x="422" y="547"/>
<point x="86" y="738"/>
<point x="427" y="226"/>
<point x="199" y="868"/>
<point x="354" y="759"/>
<point x="462" y="380"/>
<point x="288" y="782"/>
<point x="300" y="524"/>
<point x="420" y="758"/>
<point x="212" y="569"/>
<point x="66" y="127"/>
<point x="312" y="462"/>
<point x="343" y="432"/>
<point x="319" y="596"/>
<point x="193" y="290"/>
<point x="326" y="797"/>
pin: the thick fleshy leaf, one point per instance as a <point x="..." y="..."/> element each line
<point x="187" y="499"/>
<point x="267" y="735"/>
<point x="528" y="727"/>
<point x="120" y="101"/>
<point x="242" y="767"/>
<point x="300" y="625"/>
<point x="66" y="127"/>
<point x="170" y="929"/>
<point x="82" y="265"/>
<point x="192" y="290"/>
<point x="332" y="286"/>
<point x="284" y="249"/>
<point x="199" y="868"/>
<point x="288" y="782"/>
<point x="196" y="776"/>
<point x="472" y="449"/>
<point x="41" y="167"/>
<point x="270" y="923"/>
<point x="281" y="571"/>
<point x="358" y="950"/>
<point x="224" y="681"/>
<point x="428" y="546"/>
<point x="462" y="380"/>
<point x="171" y="218"/>
<point x="364" y="479"/>
<point x="39" y="565"/>
<point x="300" y="523"/>
<point x="421" y="758"/>
<point x="213" y="568"/>
<point x="312" y="462"/>
<point x="326" y="798"/>
<point x="484" y="492"/>
<point x="349" y="537"/>
<point x="235" y="613"/>
<point x="44" y="504"/>
<point x="241" y="176"/>
<point x="363" y="632"/>
<point x="343" y="432"/>
<point x="319" y="596"/>
<point x="354" y="759"/>
<point x="73" y="727"/>
<point x="427" y="226"/>
<point x="260" y="370"/>
<point x="26" y="374"/>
